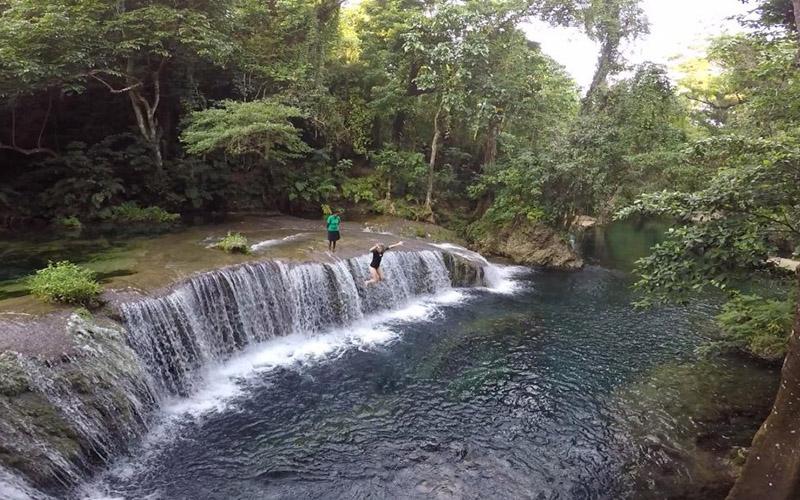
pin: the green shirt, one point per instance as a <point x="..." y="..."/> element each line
<point x="333" y="222"/>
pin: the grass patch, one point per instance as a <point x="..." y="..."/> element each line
<point x="66" y="283"/>
<point x="234" y="243"/>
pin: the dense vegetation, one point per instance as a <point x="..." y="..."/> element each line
<point x="413" y="107"/>
<point x="429" y="109"/>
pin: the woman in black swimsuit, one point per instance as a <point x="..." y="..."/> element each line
<point x="375" y="266"/>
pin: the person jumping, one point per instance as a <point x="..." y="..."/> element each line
<point x="375" y="266"/>
<point x="333" y="222"/>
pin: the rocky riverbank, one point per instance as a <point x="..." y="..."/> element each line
<point x="529" y="243"/>
<point x="61" y="417"/>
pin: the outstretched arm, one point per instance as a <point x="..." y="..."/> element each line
<point x="398" y="244"/>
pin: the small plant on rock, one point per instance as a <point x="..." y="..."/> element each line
<point x="65" y="282"/>
<point x="234" y="243"/>
<point x="71" y="222"/>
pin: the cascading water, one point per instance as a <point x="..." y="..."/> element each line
<point x="215" y="314"/>
<point x="92" y="407"/>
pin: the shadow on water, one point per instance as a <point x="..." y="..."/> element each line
<point x="620" y="244"/>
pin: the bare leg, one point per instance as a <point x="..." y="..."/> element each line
<point x="375" y="276"/>
<point x="334" y="246"/>
<point x="380" y="274"/>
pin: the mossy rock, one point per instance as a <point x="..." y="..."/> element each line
<point x="13" y="379"/>
<point x="464" y="273"/>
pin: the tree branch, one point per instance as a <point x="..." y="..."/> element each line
<point x="46" y="119"/>
<point x="93" y="74"/>
<point x="29" y="152"/>
<point x="721" y="107"/>
<point x="24" y="151"/>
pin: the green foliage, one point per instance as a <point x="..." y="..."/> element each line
<point x="71" y="222"/>
<point x="57" y="43"/>
<point x="234" y="243"/>
<point x="727" y="228"/>
<point x="757" y="325"/>
<point x="745" y="209"/>
<point x="516" y="185"/>
<point x="262" y="128"/>
<point x="130" y="212"/>
<point x="65" y="282"/>
<point x="87" y="180"/>
<point x="360" y="189"/>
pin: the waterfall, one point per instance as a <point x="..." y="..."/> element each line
<point x="61" y="419"/>
<point x="213" y="315"/>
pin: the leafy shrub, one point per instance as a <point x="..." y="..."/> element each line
<point x="132" y="212"/>
<point x="65" y="282"/>
<point x="758" y="325"/>
<point x="234" y="243"/>
<point x="86" y="180"/>
<point x="358" y="189"/>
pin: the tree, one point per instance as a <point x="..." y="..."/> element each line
<point x="610" y="22"/>
<point x="730" y="227"/>
<point x="262" y="128"/>
<point x="62" y="46"/>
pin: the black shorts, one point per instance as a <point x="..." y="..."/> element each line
<point x="333" y="236"/>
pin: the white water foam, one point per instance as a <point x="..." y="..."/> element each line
<point x="13" y="487"/>
<point x="220" y="385"/>
<point x="369" y="229"/>
<point x="223" y="384"/>
<point x="261" y="245"/>
<point x="499" y="278"/>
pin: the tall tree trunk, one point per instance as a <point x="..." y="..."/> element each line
<point x="772" y="470"/>
<point x="605" y="63"/>
<point x="490" y="146"/>
<point x="146" y="110"/>
<point x="608" y="61"/>
<point x="398" y="123"/>
<point x="437" y="134"/>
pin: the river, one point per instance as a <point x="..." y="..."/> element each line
<point x="550" y="385"/>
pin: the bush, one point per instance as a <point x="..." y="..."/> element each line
<point x="757" y="325"/>
<point x="358" y="189"/>
<point x="131" y="212"/>
<point x="234" y="243"/>
<point x="65" y="282"/>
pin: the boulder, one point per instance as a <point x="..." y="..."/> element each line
<point x="531" y="244"/>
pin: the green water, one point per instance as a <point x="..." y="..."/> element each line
<point x="620" y="244"/>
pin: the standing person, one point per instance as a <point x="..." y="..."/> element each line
<point x="333" y="222"/>
<point x="375" y="266"/>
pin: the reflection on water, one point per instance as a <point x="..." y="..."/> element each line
<point x="561" y="390"/>
<point x="620" y="244"/>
